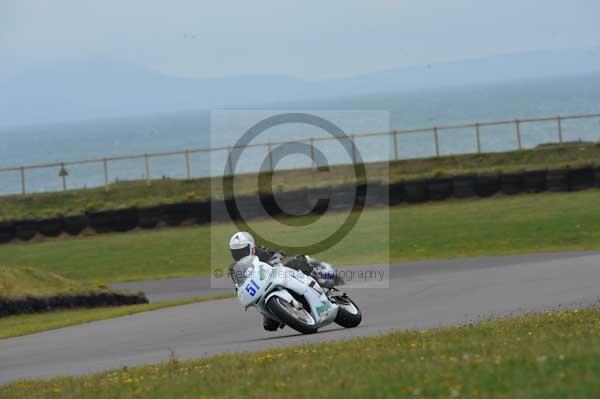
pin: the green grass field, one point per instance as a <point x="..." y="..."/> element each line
<point x="14" y="326"/>
<point x="449" y="229"/>
<point x="550" y="355"/>
<point x="138" y="193"/>
<point x="26" y="282"/>
<point x="21" y="282"/>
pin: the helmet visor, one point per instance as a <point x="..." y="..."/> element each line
<point x="240" y="253"/>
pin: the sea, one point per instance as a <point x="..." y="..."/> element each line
<point x="378" y="112"/>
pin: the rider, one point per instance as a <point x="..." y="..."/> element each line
<point x="242" y="244"/>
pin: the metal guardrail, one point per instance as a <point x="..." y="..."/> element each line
<point x="105" y="162"/>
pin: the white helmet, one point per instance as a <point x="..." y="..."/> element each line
<point x="242" y="244"/>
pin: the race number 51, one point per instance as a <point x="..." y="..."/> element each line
<point x="252" y="287"/>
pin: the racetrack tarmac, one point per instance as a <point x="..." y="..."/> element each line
<point x="420" y="295"/>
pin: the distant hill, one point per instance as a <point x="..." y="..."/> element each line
<point x="100" y="89"/>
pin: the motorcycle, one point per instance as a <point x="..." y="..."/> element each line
<point x="291" y="297"/>
<point x="327" y="275"/>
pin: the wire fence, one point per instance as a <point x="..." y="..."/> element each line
<point x="432" y="141"/>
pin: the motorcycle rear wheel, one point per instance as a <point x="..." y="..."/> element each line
<point x="298" y="319"/>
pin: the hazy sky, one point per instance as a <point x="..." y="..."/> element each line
<point x="308" y="39"/>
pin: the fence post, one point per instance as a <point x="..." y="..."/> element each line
<point x="437" y="141"/>
<point x="559" y="124"/>
<point x="22" y="180"/>
<point x="353" y="149"/>
<point x="147" y="168"/>
<point x="105" y="164"/>
<point x="229" y="163"/>
<point x="188" y="173"/>
<point x="63" y="175"/>
<point x="269" y="149"/>
<point x="518" y="126"/>
<point x="395" y="133"/>
<point x="478" y="135"/>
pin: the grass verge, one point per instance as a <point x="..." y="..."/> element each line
<point x="22" y="282"/>
<point x="459" y="228"/>
<point x="548" y="355"/>
<point x="138" y="193"/>
<point x="14" y="326"/>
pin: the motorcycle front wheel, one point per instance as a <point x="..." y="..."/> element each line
<point x="298" y="319"/>
<point x="348" y="314"/>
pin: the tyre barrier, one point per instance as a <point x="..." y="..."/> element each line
<point x="342" y="197"/>
<point x="74" y="225"/>
<point x="149" y="217"/>
<point x="581" y="179"/>
<point x="218" y="211"/>
<point x="439" y="189"/>
<point x="465" y="186"/>
<point x="10" y="307"/>
<point x="557" y="180"/>
<point x="511" y="183"/>
<point x="318" y="200"/>
<point x="304" y="201"/>
<point x="416" y="191"/>
<point x="26" y="229"/>
<point x="396" y="193"/>
<point x="488" y="185"/>
<point x="51" y="227"/>
<point x="265" y="204"/>
<point x="118" y="220"/>
<point x="200" y="211"/>
<point x="375" y="194"/>
<point x="176" y="214"/>
<point x="292" y="202"/>
<point x="7" y="232"/>
<point x="251" y="206"/>
<point x="99" y="221"/>
<point x="534" y="181"/>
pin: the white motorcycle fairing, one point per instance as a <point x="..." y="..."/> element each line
<point x="260" y="282"/>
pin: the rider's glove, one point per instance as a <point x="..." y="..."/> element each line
<point x="275" y="260"/>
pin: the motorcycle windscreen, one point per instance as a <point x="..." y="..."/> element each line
<point x="242" y="269"/>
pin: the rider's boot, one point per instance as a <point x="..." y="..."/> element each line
<point x="270" y="324"/>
